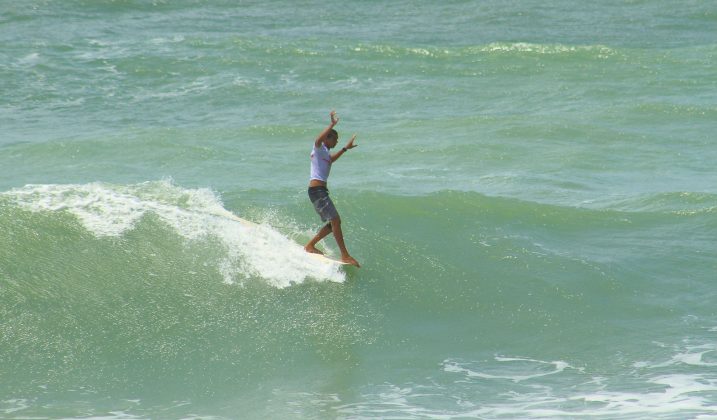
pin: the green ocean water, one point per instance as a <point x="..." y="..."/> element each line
<point x="533" y="201"/>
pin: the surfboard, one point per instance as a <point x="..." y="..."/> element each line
<point x="320" y="257"/>
<point x="232" y="216"/>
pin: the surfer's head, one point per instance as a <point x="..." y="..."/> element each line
<point x="332" y="137"/>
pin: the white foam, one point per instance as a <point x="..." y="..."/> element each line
<point x="681" y="393"/>
<point x="29" y="60"/>
<point x="519" y="387"/>
<point x="681" y="397"/>
<point x="252" y="250"/>
<point x="523" y="374"/>
<point x="14" y="405"/>
<point x="665" y="394"/>
<point x="524" y="47"/>
<point x="690" y="355"/>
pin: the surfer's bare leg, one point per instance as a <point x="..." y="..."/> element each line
<point x="323" y="232"/>
<point x="339" y="236"/>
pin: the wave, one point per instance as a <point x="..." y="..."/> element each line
<point x="304" y="49"/>
<point x="248" y="250"/>
<point x="111" y="288"/>
<point x="680" y="203"/>
<point x="470" y="222"/>
<point x="598" y="51"/>
<point x="466" y="247"/>
<point x="601" y="51"/>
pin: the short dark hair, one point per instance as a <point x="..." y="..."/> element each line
<point x="333" y="134"/>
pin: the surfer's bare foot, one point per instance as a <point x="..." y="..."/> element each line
<point x="350" y="260"/>
<point x="312" y="250"/>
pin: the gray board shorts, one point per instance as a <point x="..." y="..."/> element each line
<point x="323" y="205"/>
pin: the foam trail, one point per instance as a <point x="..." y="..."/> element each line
<point x="558" y="367"/>
<point x="252" y="250"/>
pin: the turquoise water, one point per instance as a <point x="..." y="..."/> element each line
<point x="533" y="201"/>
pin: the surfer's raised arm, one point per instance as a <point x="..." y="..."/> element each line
<point x="334" y="120"/>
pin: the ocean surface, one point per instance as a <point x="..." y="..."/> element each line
<point x="533" y="200"/>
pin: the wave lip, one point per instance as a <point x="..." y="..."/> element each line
<point x="250" y="250"/>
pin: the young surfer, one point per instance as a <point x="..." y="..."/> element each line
<point x="321" y="160"/>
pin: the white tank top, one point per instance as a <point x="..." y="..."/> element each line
<point x="320" y="163"/>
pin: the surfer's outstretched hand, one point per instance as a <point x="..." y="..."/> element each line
<point x="334" y="118"/>
<point x="350" y="144"/>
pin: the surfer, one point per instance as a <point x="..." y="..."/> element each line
<point x="321" y="160"/>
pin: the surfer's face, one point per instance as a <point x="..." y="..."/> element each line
<point x="331" y="142"/>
